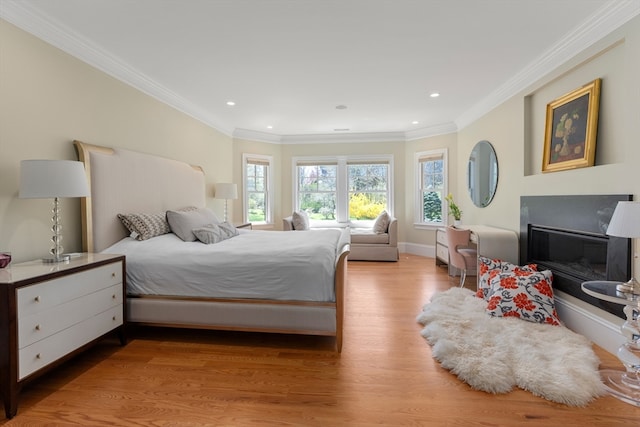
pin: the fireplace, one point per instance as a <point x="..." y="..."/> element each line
<point x="567" y="235"/>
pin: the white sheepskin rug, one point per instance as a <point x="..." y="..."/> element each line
<point x="493" y="354"/>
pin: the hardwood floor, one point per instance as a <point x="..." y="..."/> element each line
<point x="385" y="374"/>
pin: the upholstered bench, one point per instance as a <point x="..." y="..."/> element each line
<point x="367" y="245"/>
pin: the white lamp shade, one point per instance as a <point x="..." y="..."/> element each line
<point x="46" y="179"/>
<point x="226" y="190"/>
<point x="625" y="221"/>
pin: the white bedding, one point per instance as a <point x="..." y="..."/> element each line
<point x="294" y="266"/>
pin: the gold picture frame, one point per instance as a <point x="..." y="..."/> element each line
<point x="571" y="129"/>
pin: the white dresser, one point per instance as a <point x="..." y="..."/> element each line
<point x="49" y="312"/>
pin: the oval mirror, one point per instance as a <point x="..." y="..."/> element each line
<point x="482" y="174"/>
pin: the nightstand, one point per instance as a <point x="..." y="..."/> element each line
<point x="51" y="312"/>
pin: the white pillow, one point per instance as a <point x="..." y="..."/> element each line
<point x="300" y="220"/>
<point x="182" y="222"/>
<point x="215" y="233"/>
<point x="382" y="223"/>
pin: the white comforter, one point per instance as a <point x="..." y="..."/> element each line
<point x="277" y="265"/>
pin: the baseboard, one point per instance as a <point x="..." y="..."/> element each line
<point x="417" y="249"/>
<point x="599" y="326"/>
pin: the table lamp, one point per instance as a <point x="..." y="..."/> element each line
<point x="226" y="191"/>
<point x="625" y="222"/>
<point x="45" y="179"/>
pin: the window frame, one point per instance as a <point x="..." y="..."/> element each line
<point x="419" y="158"/>
<point x="247" y="159"/>
<point x="342" y="181"/>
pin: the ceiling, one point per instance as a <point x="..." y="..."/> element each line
<point x="332" y="69"/>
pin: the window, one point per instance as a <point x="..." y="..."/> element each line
<point x="367" y="189"/>
<point x="258" y="200"/>
<point x="431" y="177"/>
<point x="318" y="190"/>
<point x="343" y="189"/>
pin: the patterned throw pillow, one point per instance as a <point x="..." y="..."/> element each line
<point x="143" y="226"/>
<point x="489" y="268"/>
<point x="215" y="233"/>
<point x="527" y="295"/>
<point x="300" y="220"/>
<point x="382" y="223"/>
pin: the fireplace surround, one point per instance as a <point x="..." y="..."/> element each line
<point x="567" y="235"/>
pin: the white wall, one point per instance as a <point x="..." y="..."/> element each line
<point x="48" y="99"/>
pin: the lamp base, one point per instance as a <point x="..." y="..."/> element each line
<point x="54" y="260"/>
<point x="621" y="386"/>
<point x="630" y="287"/>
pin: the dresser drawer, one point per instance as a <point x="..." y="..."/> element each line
<point x="45" y="351"/>
<point x="45" y="323"/>
<point x="442" y="252"/>
<point x="45" y="295"/>
<point x="441" y="237"/>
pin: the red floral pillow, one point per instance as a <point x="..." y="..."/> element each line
<point x="488" y="268"/>
<point x="527" y="295"/>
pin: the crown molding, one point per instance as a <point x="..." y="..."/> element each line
<point x="53" y="32"/>
<point x="254" y="135"/>
<point x="604" y="21"/>
<point x="429" y="131"/>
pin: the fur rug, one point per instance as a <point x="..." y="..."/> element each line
<point x="493" y="354"/>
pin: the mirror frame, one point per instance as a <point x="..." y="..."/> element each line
<point x="482" y="181"/>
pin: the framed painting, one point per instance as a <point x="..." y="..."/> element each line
<point x="571" y="129"/>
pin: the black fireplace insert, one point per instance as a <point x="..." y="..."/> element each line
<point x="567" y="235"/>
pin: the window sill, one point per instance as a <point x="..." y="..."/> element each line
<point x="423" y="226"/>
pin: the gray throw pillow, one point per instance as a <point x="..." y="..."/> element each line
<point x="300" y="220"/>
<point x="182" y="222"/>
<point x="215" y="233"/>
<point x="382" y="223"/>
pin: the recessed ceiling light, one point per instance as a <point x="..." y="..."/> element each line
<point x="415" y="122"/>
<point x="341" y="107"/>
<point x="434" y="95"/>
<point x="231" y="103"/>
<point x="269" y="127"/>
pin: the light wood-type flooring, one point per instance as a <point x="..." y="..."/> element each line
<point x="385" y="374"/>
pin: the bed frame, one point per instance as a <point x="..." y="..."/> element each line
<point x="123" y="181"/>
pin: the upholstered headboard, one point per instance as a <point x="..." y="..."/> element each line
<point x="123" y="181"/>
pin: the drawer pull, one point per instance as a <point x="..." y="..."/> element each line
<point x="113" y="274"/>
<point x="38" y="356"/>
<point x="114" y="318"/>
<point x="37" y="327"/>
<point x="37" y="298"/>
<point x="113" y="296"/>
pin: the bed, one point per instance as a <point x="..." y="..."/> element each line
<point x="264" y="281"/>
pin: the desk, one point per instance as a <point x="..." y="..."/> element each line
<point x="623" y="385"/>
<point x="491" y="242"/>
<point x="494" y="242"/>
